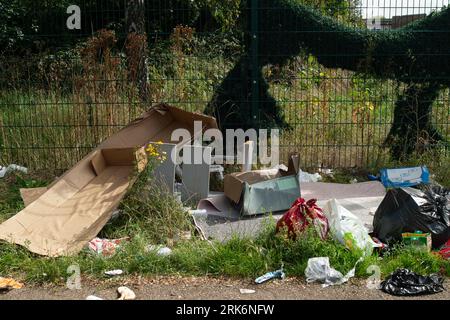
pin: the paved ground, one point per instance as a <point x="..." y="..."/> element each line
<point x="178" y="288"/>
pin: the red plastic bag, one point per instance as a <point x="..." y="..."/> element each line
<point x="445" y="251"/>
<point x="301" y="215"/>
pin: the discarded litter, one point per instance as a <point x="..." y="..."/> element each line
<point x="348" y="229"/>
<point x="404" y="177"/>
<point x="198" y="212"/>
<point x="12" y="167"/>
<point x="445" y="250"/>
<point x="264" y="191"/>
<point x="80" y="203"/>
<point x="407" y="210"/>
<point x="319" y="270"/>
<point x="404" y="282"/>
<point x="126" y="293"/>
<point x="278" y="274"/>
<point x="301" y="215"/>
<point x="306" y="177"/>
<point x="160" y="250"/>
<point x="418" y="240"/>
<point x="7" y="284"/>
<point x="105" y="247"/>
<point x="247" y="291"/>
<point x="93" y="298"/>
<point x="113" y="273"/>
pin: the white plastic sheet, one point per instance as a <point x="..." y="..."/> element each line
<point x="12" y="167"/>
<point x="306" y="177"/>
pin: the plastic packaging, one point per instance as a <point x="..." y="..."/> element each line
<point x="408" y="210"/>
<point x="404" y="282"/>
<point x="445" y="250"/>
<point x="348" y="229"/>
<point x="279" y="274"/>
<point x="306" y="177"/>
<point x="160" y="250"/>
<point x="113" y="273"/>
<point x="301" y="215"/>
<point x="12" y="167"/>
<point x="404" y="177"/>
<point x="105" y="247"/>
<point x="319" y="270"/>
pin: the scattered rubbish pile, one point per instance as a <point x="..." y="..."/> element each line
<point x="404" y="282"/>
<point x="82" y="200"/>
<point x="68" y="215"/>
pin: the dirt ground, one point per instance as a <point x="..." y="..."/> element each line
<point x="206" y="288"/>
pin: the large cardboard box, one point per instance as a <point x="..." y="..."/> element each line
<point x="72" y="211"/>
<point x="264" y="191"/>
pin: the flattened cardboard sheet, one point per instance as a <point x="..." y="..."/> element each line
<point x="77" y="206"/>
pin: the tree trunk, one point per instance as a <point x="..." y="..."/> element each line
<point x="412" y="129"/>
<point x="136" y="47"/>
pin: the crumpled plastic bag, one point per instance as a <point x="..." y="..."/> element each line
<point x="306" y="177"/>
<point x="319" y="270"/>
<point x="404" y="282"/>
<point x="300" y="216"/>
<point x="12" y="167"/>
<point x="348" y="229"/>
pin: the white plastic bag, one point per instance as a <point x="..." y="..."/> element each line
<point x="348" y="229"/>
<point x="319" y="270"/>
<point x="12" y="167"/>
<point x="306" y="177"/>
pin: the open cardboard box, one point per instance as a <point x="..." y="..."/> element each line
<point x="73" y="209"/>
<point x="264" y="191"/>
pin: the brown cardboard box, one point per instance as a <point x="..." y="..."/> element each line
<point x="264" y="191"/>
<point x="77" y="206"/>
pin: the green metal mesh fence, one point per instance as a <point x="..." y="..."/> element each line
<point x="64" y="91"/>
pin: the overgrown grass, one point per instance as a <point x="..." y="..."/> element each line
<point x="152" y="217"/>
<point x="339" y="118"/>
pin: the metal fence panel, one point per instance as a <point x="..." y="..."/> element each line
<point x="56" y="104"/>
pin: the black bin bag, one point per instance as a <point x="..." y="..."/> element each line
<point x="404" y="282"/>
<point x="409" y="210"/>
